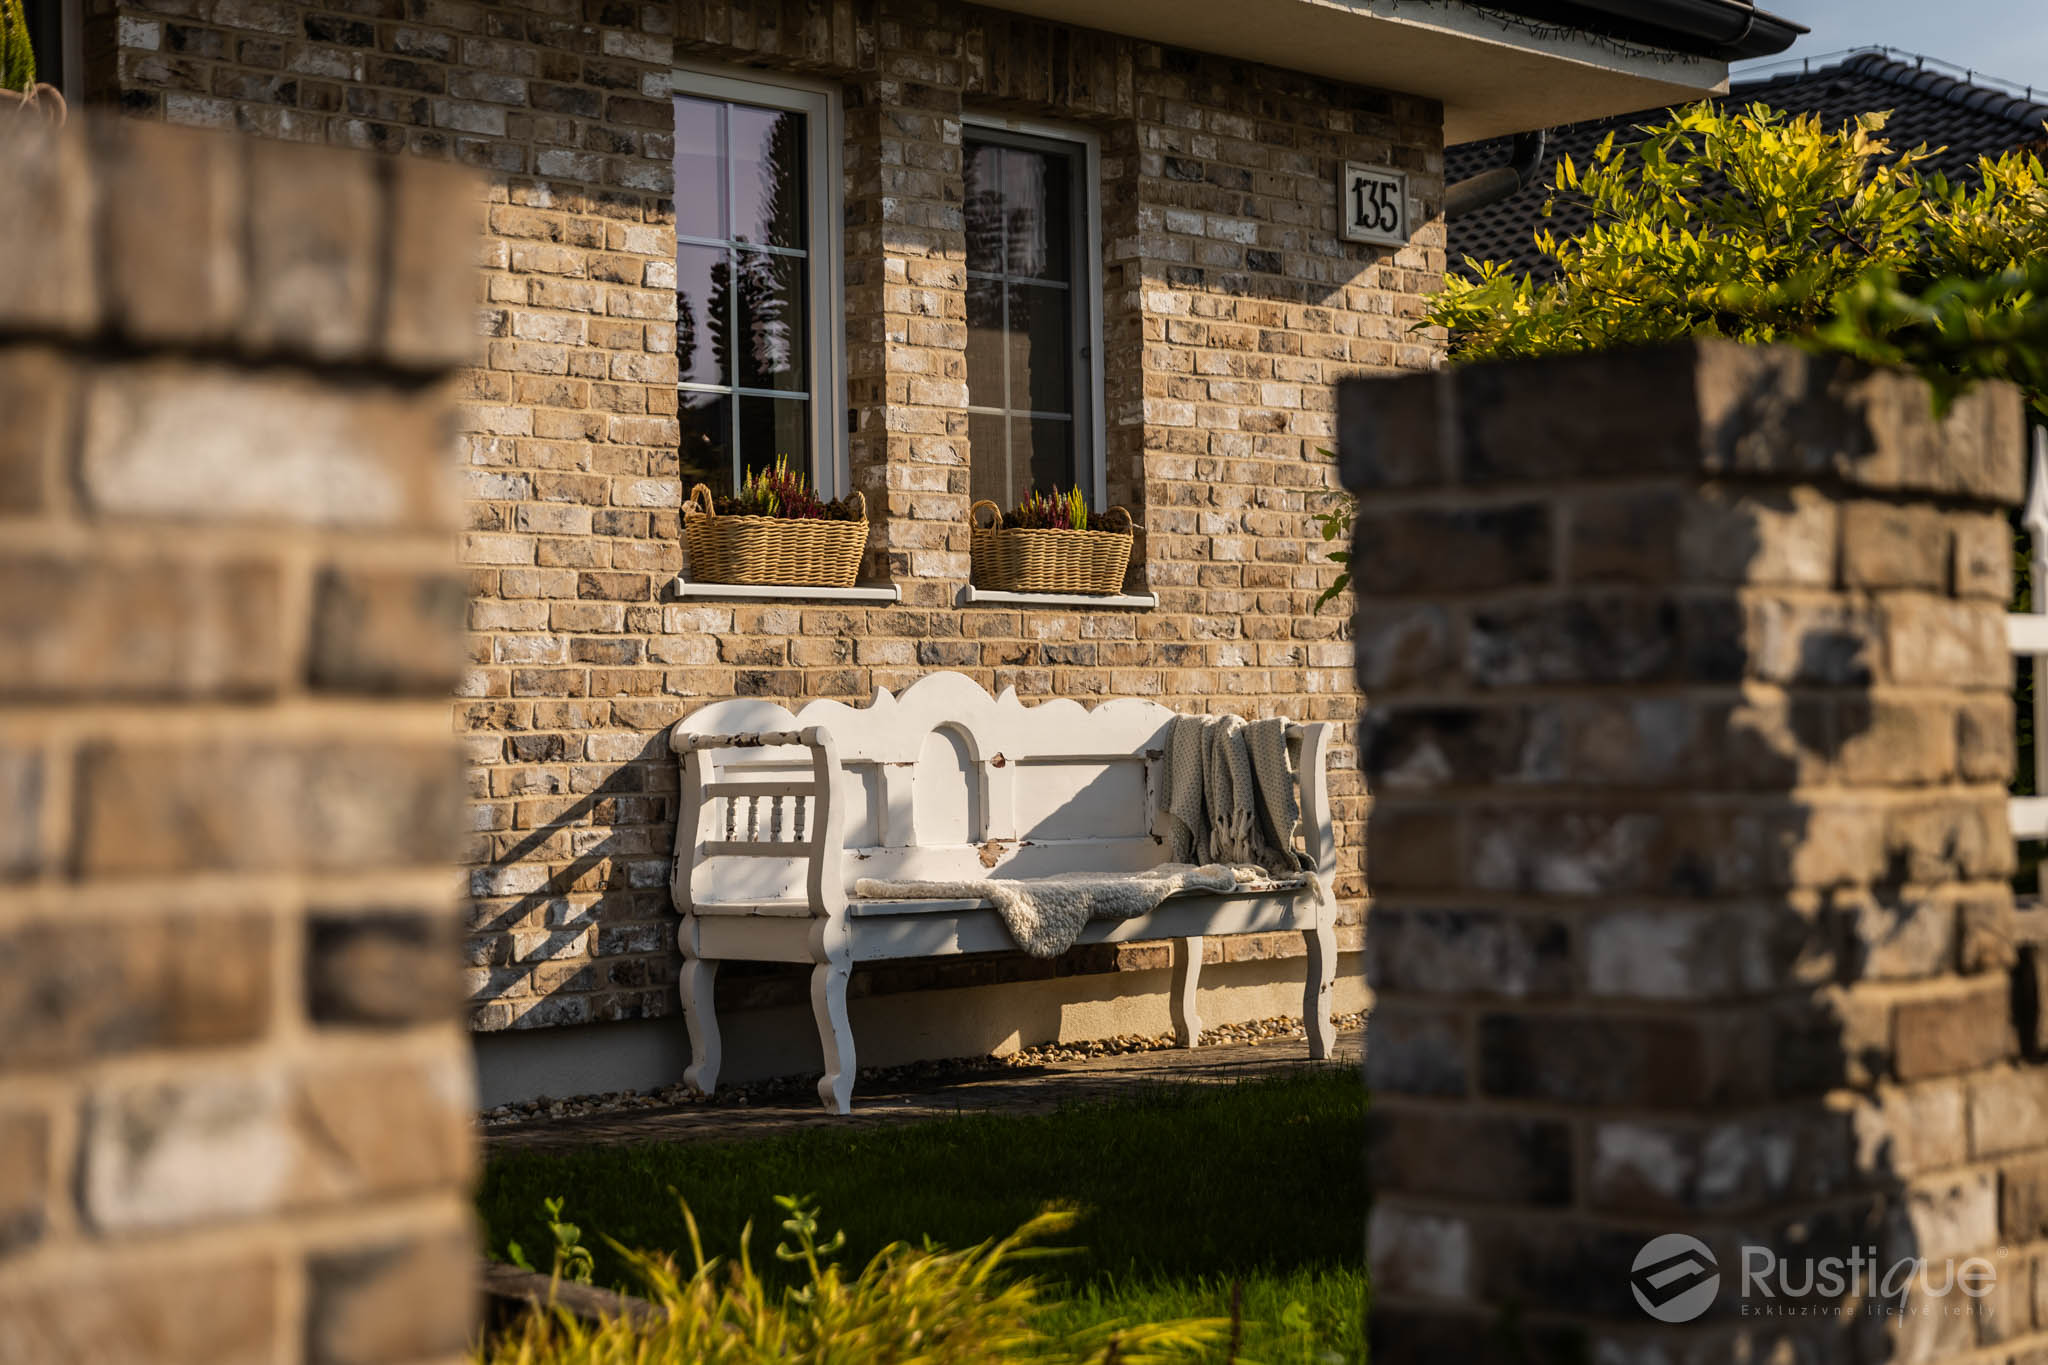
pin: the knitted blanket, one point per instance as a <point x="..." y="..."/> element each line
<point x="1230" y="794"/>
<point x="1046" y="914"/>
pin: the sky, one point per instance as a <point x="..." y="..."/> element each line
<point x="2003" y="38"/>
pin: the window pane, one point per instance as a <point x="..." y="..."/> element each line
<point x="772" y="315"/>
<point x="1041" y="352"/>
<point x="1037" y="222"/>
<point x="703" y="317"/>
<point x="1050" y="446"/>
<point x="775" y="426"/>
<point x="767" y="175"/>
<point x="985" y="342"/>
<point x="700" y="168"/>
<point x="988" y="468"/>
<point x="707" y="441"/>
<point x="982" y="163"/>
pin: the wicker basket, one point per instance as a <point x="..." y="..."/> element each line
<point x="1007" y="559"/>
<point x="785" y="552"/>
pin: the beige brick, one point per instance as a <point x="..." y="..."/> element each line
<point x="141" y="1308"/>
<point x="1886" y="545"/>
<point x="436" y="213"/>
<point x="1984" y="547"/>
<point x="80" y="989"/>
<point x="2008" y="1111"/>
<point x="1930" y="641"/>
<point x="26" y="1186"/>
<point x="37" y="391"/>
<point x="46" y="220"/>
<point x="24" y="783"/>
<point x="1882" y="740"/>
<point x="386" y="630"/>
<point x="337" y="804"/>
<point x="315" y="242"/>
<point x="96" y="625"/>
<point x="239" y="1143"/>
<point x="190" y="441"/>
<point x="172" y="206"/>
<point x="1963" y="1029"/>
<point x="408" y="1300"/>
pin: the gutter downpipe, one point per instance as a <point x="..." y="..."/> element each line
<point x="1490" y="187"/>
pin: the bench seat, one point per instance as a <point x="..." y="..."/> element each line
<point x="781" y="814"/>
<point x="862" y="907"/>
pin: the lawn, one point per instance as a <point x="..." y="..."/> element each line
<point x="1185" y="1192"/>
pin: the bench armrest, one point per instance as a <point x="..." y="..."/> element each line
<point x="1318" y="829"/>
<point x="822" y="847"/>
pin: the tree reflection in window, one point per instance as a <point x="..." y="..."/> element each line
<point x="1027" y="301"/>
<point x="743" y="305"/>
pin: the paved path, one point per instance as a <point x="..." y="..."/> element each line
<point x="1020" y="1091"/>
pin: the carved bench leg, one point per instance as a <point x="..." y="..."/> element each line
<point x="1321" y="988"/>
<point x="835" y="1034"/>
<point x="695" y="983"/>
<point x="1187" y="975"/>
<point x="833" y="953"/>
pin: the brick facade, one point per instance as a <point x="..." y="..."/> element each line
<point x="235" y="1093"/>
<point x="1229" y="309"/>
<point x="1689" y="733"/>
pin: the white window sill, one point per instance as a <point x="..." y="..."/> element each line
<point x="990" y="596"/>
<point x="881" y="593"/>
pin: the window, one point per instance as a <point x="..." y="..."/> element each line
<point x="757" y="280"/>
<point x="1033" y="327"/>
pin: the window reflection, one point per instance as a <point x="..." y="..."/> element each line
<point x="1024" y="316"/>
<point x="743" y="300"/>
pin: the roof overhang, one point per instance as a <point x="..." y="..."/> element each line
<point x="1494" y="74"/>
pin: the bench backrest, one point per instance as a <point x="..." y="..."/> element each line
<point x="941" y="783"/>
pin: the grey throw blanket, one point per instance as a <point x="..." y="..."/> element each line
<point x="1230" y="794"/>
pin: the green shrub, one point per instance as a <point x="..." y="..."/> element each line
<point x="1756" y="227"/>
<point x="908" y="1304"/>
<point x="17" y="58"/>
<point x="1753" y="226"/>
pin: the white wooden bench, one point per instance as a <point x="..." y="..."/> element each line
<point x="781" y="814"/>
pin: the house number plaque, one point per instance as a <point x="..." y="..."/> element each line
<point x="1372" y="204"/>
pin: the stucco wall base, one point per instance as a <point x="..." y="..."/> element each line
<point x="889" y="1030"/>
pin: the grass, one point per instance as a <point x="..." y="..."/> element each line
<point x="1183" y="1193"/>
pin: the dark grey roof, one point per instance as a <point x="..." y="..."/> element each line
<point x="1965" y="119"/>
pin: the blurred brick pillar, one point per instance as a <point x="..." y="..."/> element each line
<point x="1688" y="733"/>
<point x="235" y="1091"/>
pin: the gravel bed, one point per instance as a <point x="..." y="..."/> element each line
<point x="949" y="1068"/>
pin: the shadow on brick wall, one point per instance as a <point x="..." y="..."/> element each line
<point x="1690" y="917"/>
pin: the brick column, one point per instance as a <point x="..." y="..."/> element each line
<point x="235" y="1090"/>
<point x="1688" y="733"/>
<point x="906" y="302"/>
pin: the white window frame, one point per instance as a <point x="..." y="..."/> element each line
<point x="1088" y="381"/>
<point x="825" y="197"/>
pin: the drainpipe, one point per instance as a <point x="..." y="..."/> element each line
<point x="1490" y="187"/>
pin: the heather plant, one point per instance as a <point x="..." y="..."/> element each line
<point x="1054" y="511"/>
<point x="780" y="491"/>
<point x="919" y="1304"/>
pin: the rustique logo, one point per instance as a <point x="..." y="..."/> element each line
<point x="1675" y="1278"/>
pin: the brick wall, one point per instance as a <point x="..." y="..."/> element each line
<point x="1689" y="735"/>
<point x="236" y="1122"/>
<point x="1230" y="307"/>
